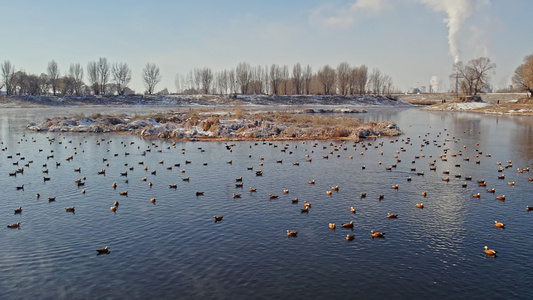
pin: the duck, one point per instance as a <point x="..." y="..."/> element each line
<point x="16" y="225"/>
<point x="114" y="185"/>
<point x="307" y="204"/>
<point x="236" y="196"/>
<point x="362" y="195"/>
<point x="291" y="233"/>
<point x="125" y="193"/>
<point x="311" y="182"/>
<point x="50" y="199"/>
<point x="328" y="193"/>
<point x="375" y="234"/>
<point x="502" y="197"/>
<point x="113" y="208"/>
<point x="218" y="218"/>
<point x="104" y="250"/>
<point x="478" y="195"/>
<point x="305" y="209"/>
<point x="172" y="186"/>
<point x="424" y="194"/>
<point x="420" y="205"/>
<point x="395" y="187"/>
<point x="348" y="225"/>
<point x="152" y="200"/>
<point x="335" y="188"/>
<point x="528" y="208"/>
<point x="491" y="190"/>
<point x="381" y="197"/>
<point x="489" y="252"/>
<point x="295" y="200"/>
<point x="352" y="210"/>
<point x="18" y="210"/>
<point x="350" y="237"/>
<point x="331" y="226"/>
<point x="285" y="191"/>
<point x="70" y="209"/>
<point x="198" y="193"/>
<point x="392" y="216"/>
<point x="510" y="183"/>
<point x="272" y="196"/>
<point x="499" y="224"/>
<point x="115" y="203"/>
<point x="252" y="189"/>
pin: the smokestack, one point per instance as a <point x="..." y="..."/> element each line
<point x="457" y="12"/>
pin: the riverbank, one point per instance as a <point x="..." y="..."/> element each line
<point x="200" y="100"/>
<point x="521" y="107"/>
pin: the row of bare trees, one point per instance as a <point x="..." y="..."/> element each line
<point x="280" y="80"/>
<point x="104" y="78"/>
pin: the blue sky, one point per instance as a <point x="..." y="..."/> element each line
<point x="406" y="39"/>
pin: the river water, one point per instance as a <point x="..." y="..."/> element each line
<point x="173" y="248"/>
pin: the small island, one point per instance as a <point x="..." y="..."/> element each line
<point x="224" y="125"/>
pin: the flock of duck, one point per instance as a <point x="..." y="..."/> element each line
<point x="334" y="149"/>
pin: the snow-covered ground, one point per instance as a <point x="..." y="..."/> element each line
<point x="202" y="100"/>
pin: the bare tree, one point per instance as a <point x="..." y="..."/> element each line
<point x="76" y="73"/>
<point x="475" y="75"/>
<point x="523" y="75"/>
<point x="103" y="74"/>
<point x="151" y="77"/>
<point x="44" y="83"/>
<point x="8" y="75"/>
<point x="275" y="78"/>
<point x="66" y="85"/>
<point x="307" y="76"/>
<point x="297" y="78"/>
<point x="326" y="76"/>
<point x="53" y="75"/>
<point x="206" y="78"/>
<point x="92" y="73"/>
<point x="386" y="85"/>
<point x="232" y="80"/>
<point x="375" y="81"/>
<point x="361" y="79"/>
<point x="284" y="78"/>
<point x="121" y="77"/>
<point x="177" y="83"/>
<point x="243" y="76"/>
<point x="197" y="79"/>
<point x="343" y="78"/>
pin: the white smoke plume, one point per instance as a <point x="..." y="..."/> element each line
<point x="457" y="12"/>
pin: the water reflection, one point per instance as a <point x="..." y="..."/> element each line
<point x="174" y="249"/>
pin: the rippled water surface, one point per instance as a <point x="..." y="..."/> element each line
<point x="174" y="249"/>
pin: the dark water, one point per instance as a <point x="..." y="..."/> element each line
<point x="174" y="249"/>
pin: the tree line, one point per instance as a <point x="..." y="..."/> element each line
<point x="105" y="78"/>
<point x="282" y="80"/>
